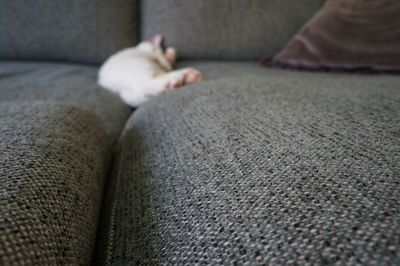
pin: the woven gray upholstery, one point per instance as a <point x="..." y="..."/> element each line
<point x="73" y="30"/>
<point x="259" y="166"/>
<point x="68" y="83"/>
<point x="225" y="29"/>
<point x="54" y="159"/>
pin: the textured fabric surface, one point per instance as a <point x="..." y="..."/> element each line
<point x="54" y="159"/>
<point x="347" y="35"/>
<point x="74" y="30"/>
<point x="259" y="166"/>
<point x="73" y="84"/>
<point x="225" y="29"/>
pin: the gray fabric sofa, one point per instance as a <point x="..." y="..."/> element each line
<point x="249" y="166"/>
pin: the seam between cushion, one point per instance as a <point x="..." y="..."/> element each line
<point x="110" y="250"/>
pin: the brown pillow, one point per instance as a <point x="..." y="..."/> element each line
<point x="347" y="35"/>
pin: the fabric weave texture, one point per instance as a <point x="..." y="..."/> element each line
<point x="22" y="81"/>
<point x="259" y="166"/>
<point x="54" y="160"/>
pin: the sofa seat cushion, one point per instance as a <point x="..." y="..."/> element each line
<point x="67" y="83"/>
<point x="54" y="160"/>
<point x="259" y="166"/>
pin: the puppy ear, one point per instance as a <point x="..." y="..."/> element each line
<point x="157" y="40"/>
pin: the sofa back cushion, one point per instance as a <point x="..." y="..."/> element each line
<point x="225" y="29"/>
<point x="74" y="30"/>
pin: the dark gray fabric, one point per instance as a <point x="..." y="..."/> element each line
<point x="74" y="30"/>
<point x="73" y="84"/>
<point x="225" y="29"/>
<point x="54" y="159"/>
<point x="259" y="166"/>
